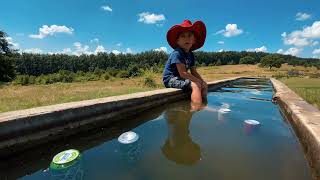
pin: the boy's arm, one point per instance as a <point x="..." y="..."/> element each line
<point x="184" y="74"/>
<point x="195" y="73"/>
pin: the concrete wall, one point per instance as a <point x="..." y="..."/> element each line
<point x="26" y="128"/>
<point x="305" y="120"/>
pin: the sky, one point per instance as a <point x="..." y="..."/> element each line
<point x="133" y="26"/>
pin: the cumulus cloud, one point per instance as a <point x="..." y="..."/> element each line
<point x="230" y="30"/>
<point x="302" y="16"/>
<point x="33" y="51"/>
<point x="106" y="8"/>
<point x="280" y="51"/>
<point x="221" y="50"/>
<point x="316" y="52"/>
<point x="259" y="49"/>
<point x="116" y="52"/>
<point x="164" y="49"/>
<point x="10" y="42"/>
<point x="46" y="30"/>
<point x="304" y="37"/>
<point x="80" y="49"/>
<point x="99" y="49"/>
<point x="291" y="51"/>
<point x="150" y="18"/>
<point x="220" y="42"/>
<point x="129" y="51"/>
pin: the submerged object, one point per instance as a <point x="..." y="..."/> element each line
<point x="128" y="137"/>
<point x="224" y="110"/>
<point x="251" y="126"/>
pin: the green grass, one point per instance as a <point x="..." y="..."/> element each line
<point x="307" y="88"/>
<point x="16" y="97"/>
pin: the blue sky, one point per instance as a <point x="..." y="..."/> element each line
<point x="131" y="26"/>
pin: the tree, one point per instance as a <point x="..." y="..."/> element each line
<point x="7" y="72"/>
<point x="271" y="61"/>
<point x="247" y="60"/>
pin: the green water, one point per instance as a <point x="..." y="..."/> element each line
<point x="175" y="143"/>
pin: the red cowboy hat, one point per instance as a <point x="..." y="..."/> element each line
<point x="198" y="28"/>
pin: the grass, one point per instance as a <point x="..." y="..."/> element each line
<point x="307" y="88"/>
<point x="16" y="97"/>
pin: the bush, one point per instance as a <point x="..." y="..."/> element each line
<point x="280" y="75"/>
<point x="150" y="82"/>
<point x="7" y="72"/>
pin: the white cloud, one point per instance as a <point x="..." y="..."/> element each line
<point x="231" y="30"/>
<point x="116" y="52"/>
<point x="220" y="42"/>
<point x="149" y="18"/>
<point x="221" y="50"/>
<point x="45" y="31"/>
<point x="81" y="49"/>
<point x="107" y="8"/>
<point x="119" y="44"/>
<point x="293" y="51"/>
<point x="259" y="49"/>
<point x="295" y="39"/>
<point x="316" y="52"/>
<point x="304" y="37"/>
<point x="164" y="49"/>
<point x="129" y="51"/>
<point x="33" y="51"/>
<point x="13" y="44"/>
<point x="95" y="40"/>
<point x="302" y="16"/>
<point x="280" y="51"/>
<point x="99" y="49"/>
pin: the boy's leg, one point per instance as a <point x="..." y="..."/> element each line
<point x="204" y="92"/>
<point x="196" y="96"/>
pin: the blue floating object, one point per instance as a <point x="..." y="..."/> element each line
<point x="128" y="137"/>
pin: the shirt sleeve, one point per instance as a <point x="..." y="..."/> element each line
<point x="176" y="57"/>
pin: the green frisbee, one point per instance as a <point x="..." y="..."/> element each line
<point x="65" y="157"/>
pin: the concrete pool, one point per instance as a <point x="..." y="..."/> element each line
<point x="175" y="143"/>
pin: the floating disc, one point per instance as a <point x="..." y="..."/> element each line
<point x="128" y="137"/>
<point x="252" y="122"/>
<point x="65" y="157"/>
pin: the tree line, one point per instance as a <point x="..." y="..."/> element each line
<point x="13" y="63"/>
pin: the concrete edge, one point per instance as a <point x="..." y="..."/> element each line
<point x="305" y="120"/>
<point x="26" y="128"/>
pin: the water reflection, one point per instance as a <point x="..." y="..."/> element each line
<point x="179" y="146"/>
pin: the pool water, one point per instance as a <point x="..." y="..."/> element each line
<point x="176" y="143"/>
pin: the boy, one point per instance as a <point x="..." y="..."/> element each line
<point x="185" y="38"/>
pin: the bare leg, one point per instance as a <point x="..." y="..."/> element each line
<point x="204" y="92"/>
<point x="196" y="94"/>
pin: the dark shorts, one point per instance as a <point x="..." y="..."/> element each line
<point x="180" y="83"/>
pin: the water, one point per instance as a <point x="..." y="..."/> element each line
<point x="175" y="143"/>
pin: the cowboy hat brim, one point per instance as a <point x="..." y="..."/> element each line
<point x="198" y="28"/>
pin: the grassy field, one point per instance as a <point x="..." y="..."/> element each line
<point x="308" y="89"/>
<point x="15" y="97"/>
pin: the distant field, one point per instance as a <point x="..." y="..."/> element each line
<point x="15" y="97"/>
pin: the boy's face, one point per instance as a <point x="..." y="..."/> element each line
<point x="185" y="40"/>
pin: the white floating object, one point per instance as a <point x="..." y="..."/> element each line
<point x="224" y="110"/>
<point x="252" y="122"/>
<point x="128" y="137"/>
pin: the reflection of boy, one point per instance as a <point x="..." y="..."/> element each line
<point x="179" y="146"/>
<point x="184" y="38"/>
